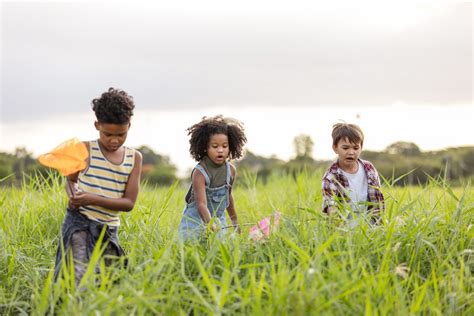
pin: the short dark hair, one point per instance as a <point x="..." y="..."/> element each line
<point x="208" y="126"/>
<point x="113" y="107"/>
<point x="350" y="131"/>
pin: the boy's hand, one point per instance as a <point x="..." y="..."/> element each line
<point x="332" y="211"/>
<point x="72" y="206"/>
<point x="72" y="189"/>
<point x="81" y="199"/>
<point x="375" y="217"/>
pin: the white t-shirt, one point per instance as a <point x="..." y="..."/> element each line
<point x="358" y="188"/>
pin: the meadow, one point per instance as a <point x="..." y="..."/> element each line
<point x="419" y="261"/>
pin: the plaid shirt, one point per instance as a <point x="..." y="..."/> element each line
<point x="335" y="184"/>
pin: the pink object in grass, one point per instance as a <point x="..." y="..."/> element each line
<point x="262" y="229"/>
<point x="255" y="234"/>
<point x="264" y="225"/>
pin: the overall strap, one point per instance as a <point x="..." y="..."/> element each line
<point x="229" y="173"/>
<point x="204" y="173"/>
<point x="189" y="194"/>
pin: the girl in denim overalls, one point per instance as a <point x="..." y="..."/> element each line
<point x="213" y="141"/>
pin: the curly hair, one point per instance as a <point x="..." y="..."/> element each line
<point x="350" y="131"/>
<point x="208" y="126"/>
<point x="113" y="107"/>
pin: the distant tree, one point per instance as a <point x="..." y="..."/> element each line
<point x="24" y="162"/>
<point x="6" y="165"/>
<point x="260" y="165"/>
<point x="162" y="175"/>
<point x="157" y="169"/>
<point x="152" y="158"/>
<point x="303" y="145"/>
<point x="467" y="162"/>
<point x="403" y="148"/>
<point x="372" y="155"/>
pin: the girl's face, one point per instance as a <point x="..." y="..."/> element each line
<point x="218" y="148"/>
<point x="112" y="136"/>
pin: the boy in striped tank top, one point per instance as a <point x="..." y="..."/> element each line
<point x="107" y="186"/>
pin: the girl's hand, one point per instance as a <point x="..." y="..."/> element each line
<point x="237" y="227"/>
<point x="212" y="227"/>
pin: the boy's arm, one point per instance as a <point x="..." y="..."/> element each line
<point x="125" y="203"/>
<point x="378" y="195"/>
<point x="71" y="181"/>
<point x="329" y="204"/>
<point x="71" y="185"/>
<point x="231" y="208"/>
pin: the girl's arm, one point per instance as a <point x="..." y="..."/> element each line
<point x="231" y="208"/>
<point x="199" y="190"/>
<point x="125" y="203"/>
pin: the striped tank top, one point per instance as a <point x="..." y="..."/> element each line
<point x="106" y="179"/>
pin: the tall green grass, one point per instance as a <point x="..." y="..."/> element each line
<point x="419" y="261"/>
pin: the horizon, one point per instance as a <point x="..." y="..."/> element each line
<point x="165" y="131"/>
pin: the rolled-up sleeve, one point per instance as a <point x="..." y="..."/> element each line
<point x="329" y="190"/>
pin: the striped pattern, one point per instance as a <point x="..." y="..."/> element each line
<point x="105" y="179"/>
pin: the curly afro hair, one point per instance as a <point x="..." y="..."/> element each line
<point x="113" y="107"/>
<point x="208" y="126"/>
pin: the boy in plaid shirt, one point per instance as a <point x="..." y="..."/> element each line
<point x="350" y="183"/>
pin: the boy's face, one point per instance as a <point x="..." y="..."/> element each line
<point x="218" y="148"/>
<point x="348" y="153"/>
<point x="112" y="136"/>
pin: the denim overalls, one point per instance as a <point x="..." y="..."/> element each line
<point x="192" y="225"/>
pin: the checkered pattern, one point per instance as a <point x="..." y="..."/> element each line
<point x="335" y="184"/>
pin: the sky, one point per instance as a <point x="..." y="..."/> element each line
<point x="400" y="69"/>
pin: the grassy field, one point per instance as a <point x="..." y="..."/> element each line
<point x="420" y="261"/>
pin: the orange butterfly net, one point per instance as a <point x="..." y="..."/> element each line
<point x="68" y="158"/>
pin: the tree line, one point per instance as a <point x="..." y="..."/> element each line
<point x="402" y="163"/>
<point x="21" y="166"/>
